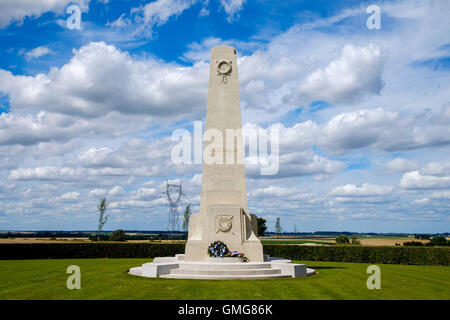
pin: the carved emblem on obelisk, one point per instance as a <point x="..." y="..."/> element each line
<point x="223" y="69"/>
<point x="224" y="223"/>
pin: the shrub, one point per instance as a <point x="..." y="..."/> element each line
<point x="342" y="239"/>
<point x="11" y="251"/>
<point x="100" y="237"/>
<point x="390" y="255"/>
<point x="355" y="240"/>
<point x="118" y="235"/>
<point x="261" y="226"/>
<point x="363" y="254"/>
<point x="438" y="241"/>
<point x="413" y="244"/>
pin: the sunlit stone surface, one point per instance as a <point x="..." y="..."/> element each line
<point x="223" y="212"/>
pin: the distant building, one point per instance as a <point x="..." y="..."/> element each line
<point x="422" y="236"/>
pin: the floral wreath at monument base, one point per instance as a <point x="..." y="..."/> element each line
<point x="218" y="249"/>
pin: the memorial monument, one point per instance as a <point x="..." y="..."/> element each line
<point x="223" y="217"/>
<point x="223" y="212"/>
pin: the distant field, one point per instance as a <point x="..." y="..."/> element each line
<point x="76" y="240"/>
<point x="294" y="241"/>
<point x="387" y="241"/>
<point x="367" y="241"/>
<point x="42" y="240"/>
<point x="108" y="279"/>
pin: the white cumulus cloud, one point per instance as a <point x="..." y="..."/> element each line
<point x="17" y="10"/>
<point x="415" y="180"/>
<point x="100" y="79"/>
<point x="354" y="75"/>
<point x="37" y="52"/>
<point x="232" y="8"/>
<point x="365" y="190"/>
<point x="400" y="165"/>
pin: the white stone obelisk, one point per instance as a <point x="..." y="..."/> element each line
<point x="223" y="212"/>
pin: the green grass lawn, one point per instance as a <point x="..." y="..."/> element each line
<point x="107" y="279"/>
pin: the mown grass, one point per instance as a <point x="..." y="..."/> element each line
<point x="108" y="279"/>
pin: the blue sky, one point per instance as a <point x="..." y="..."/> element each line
<point x="364" y="114"/>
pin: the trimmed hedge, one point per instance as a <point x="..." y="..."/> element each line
<point x="433" y="256"/>
<point x="348" y="253"/>
<point x="13" y="251"/>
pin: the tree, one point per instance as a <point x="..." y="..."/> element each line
<point x="278" y="227"/>
<point x="187" y="215"/>
<point x="355" y="239"/>
<point x="118" y="235"/>
<point x="342" y="239"/>
<point x="261" y="226"/>
<point x="103" y="217"/>
<point x="438" y="241"/>
<point x="413" y="244"/>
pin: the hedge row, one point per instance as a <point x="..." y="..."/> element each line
<point x="392" y="255"/>
<point x="87" y="250"/>
<point x="433" y="256"/>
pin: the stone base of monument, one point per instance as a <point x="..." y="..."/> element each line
<point x="227" y="268"/>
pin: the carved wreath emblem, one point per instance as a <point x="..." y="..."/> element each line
<point x="223" y="69"/>
<point x="224" y="223"/>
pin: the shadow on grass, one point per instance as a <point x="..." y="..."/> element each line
<point x="321" y="267"/>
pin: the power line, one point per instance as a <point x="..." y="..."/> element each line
<point x="174" y="194"/>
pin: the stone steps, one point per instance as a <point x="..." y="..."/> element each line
<point x="177" y="268"/>
<point x="227" y="266"/>
<point x="263" y="271"/>
<point x="224" y="277"/>
<point x="225" y="271"/>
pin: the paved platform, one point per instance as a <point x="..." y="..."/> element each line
<point x="218" y="269"/>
